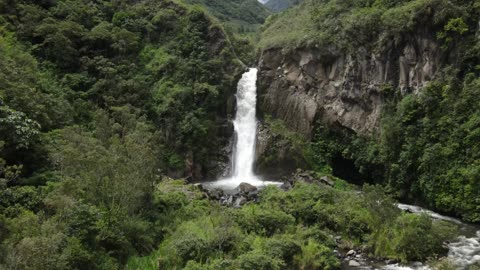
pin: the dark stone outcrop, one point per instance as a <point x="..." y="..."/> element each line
<point x="310" y="177"/>
<point x="274" y="156"/>
<point x="342" y="89"/>
<point x="307" y="84"/>
<point x="242" y="194"/>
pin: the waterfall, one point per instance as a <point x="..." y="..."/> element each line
<point x="245" y="125"/>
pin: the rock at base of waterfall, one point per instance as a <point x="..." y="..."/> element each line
<point x="239" y="202"/>
<point x="351" y="252"/>
<point x="309" y="177"/>
<point x="286" y="186"/>
<point x="353" y="263"/>
<point x="247" y="189"/>
<point x="417" y="264"/>
<point x="242" y="194"/>
<point x="391" y="261"/>
<point x="326" y="180"/>
<point x="214" y="194"/>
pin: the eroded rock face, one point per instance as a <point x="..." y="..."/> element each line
<point x="304" y="85"/>
<point x="243" y="194"/>
<point x="275" y="156"/>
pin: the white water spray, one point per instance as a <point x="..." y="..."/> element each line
<point x="245" y="125"/>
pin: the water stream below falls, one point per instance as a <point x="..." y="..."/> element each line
<point x="464" y="251"/>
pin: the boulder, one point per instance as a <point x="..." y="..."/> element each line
<point x="247" y="189"/>
<point x="239" y="202"/>
<point x="215" y="194"/>
<point x="326" y="180"/>
<point x="353" y="263"/>
<point x="351" y="252"/>
<point x="286" y="186"/>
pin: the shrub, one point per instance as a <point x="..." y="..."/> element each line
<point x="412" y="237"/>
<point x="200" y="239"/>
<point x="255" y="260"/>
<point x="264" y="221"/>
<point x="280" y="246"/>
<point x="316" y="256"/>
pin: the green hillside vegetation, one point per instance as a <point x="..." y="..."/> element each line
<point x="288" y="29"/>
<point x="286" y="230"/>
<point x="100" y="100"/>
<point x="427" y="148"/>
<point x="281" y="5"/>
<point x="243" y="16"/>
<point x="97" y="100"/>
<point x="348" y="24"/>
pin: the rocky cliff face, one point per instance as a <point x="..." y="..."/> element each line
<point x="304" y="85"/>
<point x="346" y="90"/>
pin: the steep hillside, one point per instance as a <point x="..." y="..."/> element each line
<point x="98" y="99"/>
<point x="375" y="91"/>
<point x="242" y="15"/>
<point x="281" y="5"/>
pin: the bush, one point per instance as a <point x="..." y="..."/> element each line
<point x="413" y="237"/>
<point x="264" y="221"/>
<point x="298" y="202"/>
<point x="316" y="256"/>
<point x="199" y="240"/>
<point x="280" y="246"/>
<point x="255" y="260"/>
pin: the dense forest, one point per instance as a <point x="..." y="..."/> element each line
<point x="110" y="110"/>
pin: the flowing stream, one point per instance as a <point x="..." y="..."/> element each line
<point x="464" y="251"/>
<point x="245" y="124"/>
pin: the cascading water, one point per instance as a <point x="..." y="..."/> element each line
<point x="245" y="124"/>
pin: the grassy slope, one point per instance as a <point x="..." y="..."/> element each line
<point x="281" y="5"/>
<point x="241" y="15"/>
<point x="289" y="29"/>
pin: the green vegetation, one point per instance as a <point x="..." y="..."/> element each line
<point x="353" y="23"/>
<point x="288" y="230"/>
<point x="244" y="16"/>
<point x="98" y="99"/>
<point x="293" y="147"/>
<point x="288" y="29"/>
<point x="281" y="5"/>
<point x="62" y="62"/>
<point x="421" y="153"/>
<point x="439" y="153"/>
<point x="426" y="149"/>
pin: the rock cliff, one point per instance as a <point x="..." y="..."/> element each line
<point x="345" y="90"/>
<point x="309" y="84"/>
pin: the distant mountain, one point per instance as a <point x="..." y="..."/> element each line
<point x="246" y="14"/>
<point x="280" y="5"/>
